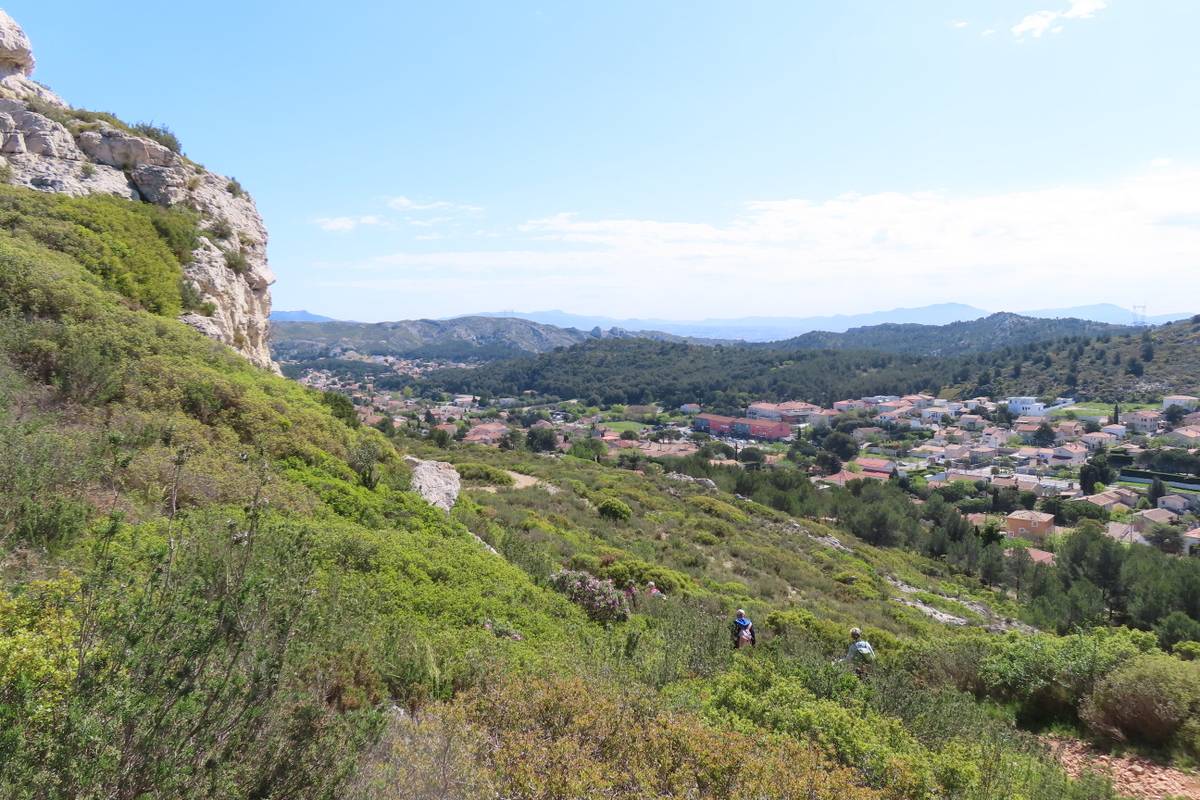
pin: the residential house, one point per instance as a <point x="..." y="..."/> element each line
<point x="880" y="465"/>
<point x="1096" y="441"/>
<point x="918" y="400"/>
<point x="1115" y="429"/>
<point x="864" y="434"/>
<point x="1041" y="556"/>
<point x="1184" y="401"/>
<point x="1143" y="521"/>
<point x="486" y="433"/>
<point x="1071" y="454"/>
<point x="971" y="422"/>
<point x="1124" y="532"/>
<point x="689" y="408"/>
<point x="1188" y="437"/>
<point x="981" y="454"/>
<point x="844" y="406"/>
<point x="1191" y="541"/>
<point x="1026" y="406"/>
<point x="1144" y="421"/>
<point x="1112" y="499"/>
<point x="1175" y="503"/>
<point x="822" y="418"/>
<point x="1027" y="430"/>
<point x="766" y="429"/>
<point x="1069" y="430"/>
<point x="1029" y="524"/>
<point x="713" y="424"/>
<point x="995" y="436"/>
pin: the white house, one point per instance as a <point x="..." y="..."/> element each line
<point x="1026" y="407"/>
<point x="1184" y="401"/>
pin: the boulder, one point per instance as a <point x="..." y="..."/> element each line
<point x="436" y="481"/>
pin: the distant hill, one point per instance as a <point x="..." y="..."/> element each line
<point x="975" y="336"/>
<point x="771" y="329"/>
<point x="756" y="329"/>
<point x="460" y="338"/>
<point x="1105" y="312"/>
<point x="1134" y="364"/>
<point x="298" y="316"/>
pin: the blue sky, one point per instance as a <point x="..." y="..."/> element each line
<point x="676" y="160"/>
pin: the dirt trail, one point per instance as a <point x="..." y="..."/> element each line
<point x="1131" y="775"/>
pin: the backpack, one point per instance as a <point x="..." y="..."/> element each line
<point x="863" y="652"/>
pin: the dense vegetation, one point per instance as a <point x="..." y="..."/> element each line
<point x="1131" y="366"/>
<point x="974" y="336"/>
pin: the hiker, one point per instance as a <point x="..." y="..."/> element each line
<point x="860" y="655"/>
<point x="653" y="590"/>
<point x="742" y="630"/>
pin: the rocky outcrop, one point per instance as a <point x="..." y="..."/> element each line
<point x="436" y="481"/>
<point x="46" y="145"/>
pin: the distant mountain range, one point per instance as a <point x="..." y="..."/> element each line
<point x="460" y="338"/>
<point x="299" y="316"/>
<point x="495" y="338"/>
<point x="769" y="329"/>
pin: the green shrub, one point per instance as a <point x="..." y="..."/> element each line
<point x="235" y="188"/>
<point x="614" y="509"/>
<point x="1150" y="699"/>
<point x="137" y="249"/>
<point x="237" y="262"/>
<point x="484" y="473"/>
<point x="159" y="133"/>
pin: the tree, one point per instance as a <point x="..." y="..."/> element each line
<point x="1165" y="538"/>
<point x="512" y="440"/>
<point x="828" y="463"/>
<point x="1116" y="414"/>
<point x="1158" y="489"/>
<point x="1175" y="414"/>
<point x="841" y="445"/>
<point x="991" y="565"/>
<point x="629" y="436"/>
<point x="1044" y="435"/>
<point x="1176" y="627"/>
<point x="541" y="440"/>
<point x="591" y="449"/>
<point x="440" y="437"/>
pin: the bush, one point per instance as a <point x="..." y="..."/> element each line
<point x="235" y="188"/>
<point x="599" y="598"/>
<point x="159" y="133"/>
<point x="1150" y="699"/>
<point x="236" y="261"/>
<point x="614" y="509"/>
<point x="484" y="473"/>
<point x="136" y="249"/>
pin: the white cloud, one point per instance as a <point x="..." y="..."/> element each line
<point x="1040" y="22"/>
<point x="344" y="224"/>
<point x="988" y="32"/>
<point x="402" y="203"/>
<point x="1050" y="246"/>
<point x="959" y="23"/>
<point x="1159" y="163"/>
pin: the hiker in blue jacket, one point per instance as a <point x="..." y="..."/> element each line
<point x="742" y="630"/>
<point x="860" y="655"/>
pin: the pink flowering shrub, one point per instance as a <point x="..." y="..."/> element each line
<point x="599" y="598"/>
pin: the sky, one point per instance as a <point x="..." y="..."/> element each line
<point x="676" y="160"/>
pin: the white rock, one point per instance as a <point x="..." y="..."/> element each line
<point x="436" y="481"/>
<point x="16" y="53"/>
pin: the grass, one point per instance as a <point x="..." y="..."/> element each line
<point x="620" y="426"/>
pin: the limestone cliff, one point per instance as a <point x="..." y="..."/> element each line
<point x="47" y="145"/>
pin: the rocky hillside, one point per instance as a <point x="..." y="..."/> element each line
<point x="47" y="145"/>
<point x="462" y="337"/>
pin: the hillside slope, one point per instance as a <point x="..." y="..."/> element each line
<point x="1135" y="365"/>
<point x="956" y="338"/>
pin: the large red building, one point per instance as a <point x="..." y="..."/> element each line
<point x="716" y="425"/>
